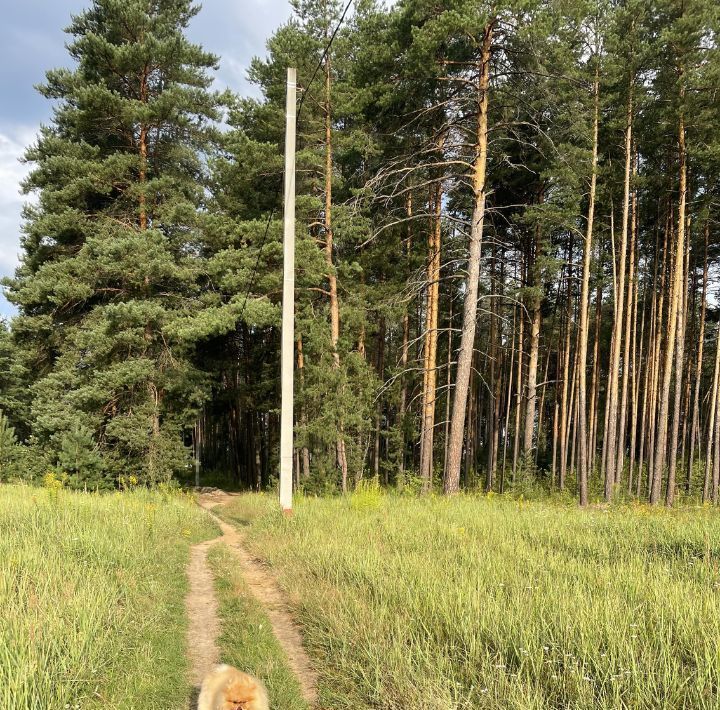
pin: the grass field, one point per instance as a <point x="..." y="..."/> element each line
<point x="92" y="598"/>
<point x="487" y="603"/>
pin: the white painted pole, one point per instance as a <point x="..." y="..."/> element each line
<point x="288" y="301"/>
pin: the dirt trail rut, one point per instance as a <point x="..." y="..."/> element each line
<point x="202" y="605"/>
<point x="202" y="611"/>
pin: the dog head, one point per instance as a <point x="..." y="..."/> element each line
<point x="244" y="694"/>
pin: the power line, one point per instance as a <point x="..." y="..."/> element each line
<point x="323" y="57"/>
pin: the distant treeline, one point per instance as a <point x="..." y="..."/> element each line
<point x="506" y="259"/>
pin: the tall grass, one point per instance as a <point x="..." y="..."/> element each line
<point x="92" y="598"/>
<point x="480" y="603"/>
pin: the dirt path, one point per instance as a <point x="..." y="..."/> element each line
<point x="203" y="610"/>
<point x="204" y="622"/>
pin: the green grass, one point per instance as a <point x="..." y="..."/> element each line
<point x="247" y="641"/>
<point x="92" y="598"/>
<point x="488" y="603"/>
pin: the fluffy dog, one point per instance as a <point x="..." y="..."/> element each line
<point x="227" y="688"/>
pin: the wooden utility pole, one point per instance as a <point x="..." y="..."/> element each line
<point x="288" y="301"/>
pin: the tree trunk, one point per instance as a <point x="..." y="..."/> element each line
<point x="518" y="393"/>
<point x="698" y="363"/>
<point x="143" y="149"/>
<point x="679" y="368"/>
<point x="564" y="404"/>
<point x="467" y="340"/>
<point x="711" y="423"/>
<point x="583" y="458"/>
<point x="508" y="400"/>
<point x="431" y="340"/>
<point x="673" y="308"/>
<point x="637" y="353"/>
<point x="405" y="350"/>
<point x="594" y="384"/>
<point x="622" y="424"/>
<point x="303" y="413"/>
<point x="541" y="443"/>
<point x="534" y="345"/>
<point x="612" y="442"/>
<point x="649" y="401"/>
<point x="329" y="261"/>
<point x="532" y="381"/>
<point x="493" y="400"/>
<point x="378" y="416"/>
<point x="448" y="386"/>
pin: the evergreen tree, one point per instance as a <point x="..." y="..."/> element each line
<point x="14" y="395"/>
<point x="244" y="247"/>
<point x="8" y="447"/>
<point x="110" y="265"/>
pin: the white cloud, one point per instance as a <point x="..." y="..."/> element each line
<point x="237" y="32"/>
<point x="233" y="75"/>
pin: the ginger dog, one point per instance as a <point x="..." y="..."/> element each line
<point x="227" y="688"/>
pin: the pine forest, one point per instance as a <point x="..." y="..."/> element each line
<point x="508" y="231"/>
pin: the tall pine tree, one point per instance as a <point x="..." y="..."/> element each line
<point x="110" y="265"/>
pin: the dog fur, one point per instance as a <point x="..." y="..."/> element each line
<point x="227" y="688"/>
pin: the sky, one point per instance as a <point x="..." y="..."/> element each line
<point x="32" y="41"/>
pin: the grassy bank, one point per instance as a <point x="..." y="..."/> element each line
<point x="247" y="640"/>
<point x="482" y="603"/>
<point x="92" y="598"/>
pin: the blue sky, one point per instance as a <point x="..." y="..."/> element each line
<point x="32" y="40"/>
